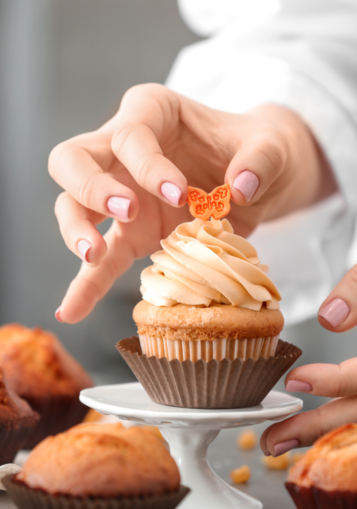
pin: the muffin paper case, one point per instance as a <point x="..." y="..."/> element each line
<point x="213" y="384"/>
<point x="218" y="349"/>
<point x="12" y="439"/>
<point x="58" y="413"/>
<point x="315" y="498"/>
<point x="27" y="498"/>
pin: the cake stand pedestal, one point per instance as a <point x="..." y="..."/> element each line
<point x="189" y="433"/>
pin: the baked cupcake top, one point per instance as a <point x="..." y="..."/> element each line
<point x="36" y="364"/>
<point x="14" y="411"/>
<point x="101" y="460"/>
<point x="217" y="321"/>
<point x="204" y="263"/>
<point x="331" y="464"/>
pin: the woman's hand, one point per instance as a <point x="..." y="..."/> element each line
<point x="338" y="314"/>
<point x="135" y="170"/>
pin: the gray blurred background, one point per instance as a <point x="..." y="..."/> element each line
<point x="64" y="65"/>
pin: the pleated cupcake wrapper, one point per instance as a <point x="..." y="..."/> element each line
<point x="218" y="349"/>
<point x="213" y="384"/>
<point x="13" y="439"/>
<point x="315" y="498"/>
<point x="27" y="498"/>
<point x="58" y="413"/>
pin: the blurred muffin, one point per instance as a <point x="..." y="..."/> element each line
<point x="41" y="371"/>
<point x="17" y="422"/>
<point x="103" y="461"/>
<point x="325" y="477"/>
<point x="207" y="296"/>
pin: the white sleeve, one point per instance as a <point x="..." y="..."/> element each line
<point x="317" y="78"/>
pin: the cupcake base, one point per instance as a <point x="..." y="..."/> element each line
<point x="213" y="384"/>
<point x="57" y="414"/>
<point x="27" y="498"/>
<point x="315" y="498"/>
<point x="218" y="349"/>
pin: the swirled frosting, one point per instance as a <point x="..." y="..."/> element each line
<point x="204" y="262"/>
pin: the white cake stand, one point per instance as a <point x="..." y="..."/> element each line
<point x="189" y="433"/>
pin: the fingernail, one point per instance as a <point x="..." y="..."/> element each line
<point x="267" y="454"/>
<point x="119" y="206"/>
<point x="247" y="183"/>
<point x="58" y="315"/>
<point x="335" y="312"/>
<point x="298" y="386"/>
<point x="284" y="447"/>
<point x="171" y="192"/>
<point x="83" y="248"/>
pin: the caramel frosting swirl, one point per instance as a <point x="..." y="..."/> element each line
<point x="204" y="262"/>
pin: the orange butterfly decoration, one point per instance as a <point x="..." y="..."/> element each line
<point x="215" y="204"/>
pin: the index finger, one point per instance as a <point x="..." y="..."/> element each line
<point x="303" y="429"/>
<point x="329" y="380"/>
<point x="147" y="119"/>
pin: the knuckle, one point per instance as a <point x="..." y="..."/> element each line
<point x="86" y="190"/>
<point x="273" y="153"/>
<point x="143" y="169"/>
<point x="119" y="138"/>
<point x="55" y="157"/>
<point x="143" y="90"/>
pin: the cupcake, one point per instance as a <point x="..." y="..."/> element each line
<point x="325" y="477"/>
<point x="209" y="322"/>
<point x="207" y="296"/>
<point x="17" y="422"/>
<point x="41" y="371"/>
<point x="98" y="466"/>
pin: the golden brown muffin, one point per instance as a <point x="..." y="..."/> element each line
<point x="102" y="460"/>
<point x="41" y="371"/>
<point x="326" y="474"/>
<point x="218" y="331"/>
<point x="17" y="422"/>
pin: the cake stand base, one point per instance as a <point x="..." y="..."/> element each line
<point x="189" y="432"/>
<point x="189" y="449"/>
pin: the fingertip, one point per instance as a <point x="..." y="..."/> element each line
<point x="92" y="250"/>
<point x="80" y="299"/>
<point x="244" y="186"/>
<point x="174" y="194"/>
<point x="58" y="315"/>
<point x="122" y="208"/>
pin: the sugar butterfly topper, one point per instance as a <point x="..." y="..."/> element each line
<point x="215" y="204"/>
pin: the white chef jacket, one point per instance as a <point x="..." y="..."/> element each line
<point x="301" y="54"/>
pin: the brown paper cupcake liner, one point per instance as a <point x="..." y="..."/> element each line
<point x="58" y="413"/>
<point x="218" y="349"/>
<point x="27" y="498"/>
<point x="213" y="384"/>
<point x="315" y="498"/>
<point x="13" y="439"/>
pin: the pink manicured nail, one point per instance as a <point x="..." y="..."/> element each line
<point x="247" y="183"/>
<point x="119" y="206"/>
<point x="58" y="315"/>
<point x="267" y="454"/>
<point x="335" y="312"/>
<point x="171" y="192"/>
<point x="298" y="386"/>
<point x="284" y="447"/>
<point x="83" y="248"/>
